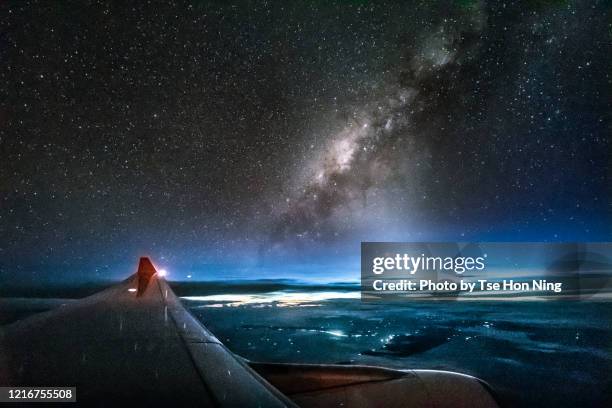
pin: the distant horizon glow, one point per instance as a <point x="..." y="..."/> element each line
<point x="280" y="299"/>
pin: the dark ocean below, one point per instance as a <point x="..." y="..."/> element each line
<point x="532" y="352"/>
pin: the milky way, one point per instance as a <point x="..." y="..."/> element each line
<point x="378" y="140"/>
<point x="450" y="136"/>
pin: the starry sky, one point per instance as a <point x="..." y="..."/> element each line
<point x="268" y="138"/>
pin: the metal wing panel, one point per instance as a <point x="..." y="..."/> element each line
<point x="130" y="342"/>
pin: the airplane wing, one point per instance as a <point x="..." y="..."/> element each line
<point x="134" y="342"/>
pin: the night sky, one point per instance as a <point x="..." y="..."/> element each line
<point x="268" y="138"/>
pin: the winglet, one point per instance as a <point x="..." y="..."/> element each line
<point x="145" y="271"/>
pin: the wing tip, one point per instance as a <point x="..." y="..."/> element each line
<point x="145" y="271"/>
